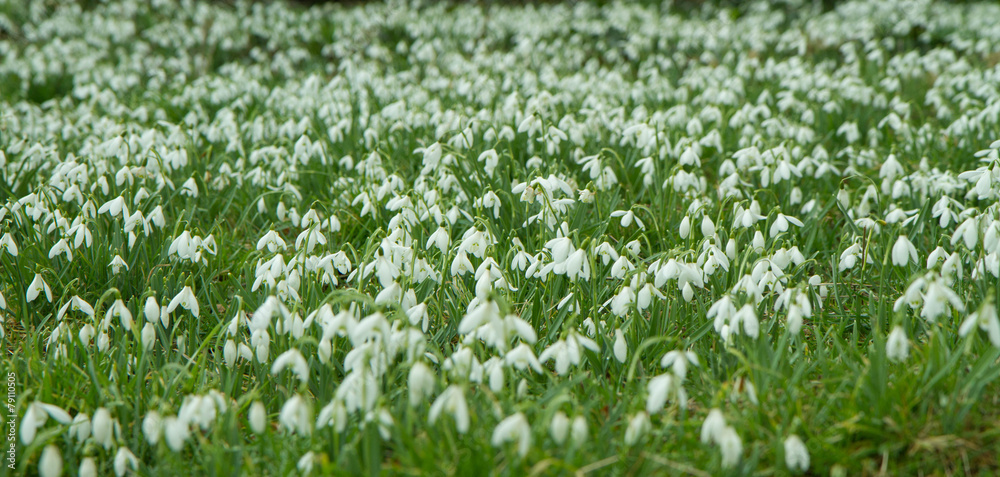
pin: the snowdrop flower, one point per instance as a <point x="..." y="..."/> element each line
<point x="61" y="247"/>
<point x="125" y="460"/>
<point x="732" y="447"/>
<point x="578" y="430"/>
<point x="190" y="188"/>
<point x="115" y="208"/>
<point x="152" y="427"/>
<point x="257" y="417"/>
<point x="620" y="347"/>
<point x="117" y="264"/>
<point x="186" y="300"/>
<point x="148" y="336"/>
<point x="796" y="454"/>
<point x="627" y="218"/>
<point x="658" y="388"/>
<point x="903" y="252"/>
<point x="439" y="239"/>
<point x="50" y="464"/>
<point x="559" y="427"/>
<point x="781" y="224"/>
<point x="88" y="467"/>
<point x="36" y="287"/>
<point x="120" y="311"/>
<point x="514" y="428"/>
<point x="271" y="241"/>
<point x="638" y="426"/>
<point x="305" y="463"/>
<point x="986" y="318"/>
<point x="568" y="352"/>
<point x="292" y="359"/>
<point x="296" y="416"/>
<point x="451" y="401"/>
<point x="678" y="361"/>
<point x="421" y="383"/>
<point x="897" y="346"/>
<point x="8" y="244"/>
<point x="176" y="433"/>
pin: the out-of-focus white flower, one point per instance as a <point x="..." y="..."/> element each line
<point x="559" y="427"/>
<point x="257" y="417"/>
<point x="796" y="454"/>
<point x="296" y="416"/>
<point x="451" y="401"/>
<point x="903" y="252"/>
<point x="88" y="467"/>
<point x="637" y="428"/>
<point x="897" y="346"/>
<point x="621" y="347"/>
<point x="986" y="319"/>
<point x="292" y="359"/>
<point x="50" y="464"/>
<point x="125" y="460"/>
<point x="514" y="428"/>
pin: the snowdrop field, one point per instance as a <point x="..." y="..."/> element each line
<point x="481" y="239"/>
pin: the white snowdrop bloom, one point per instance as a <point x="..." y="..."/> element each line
<point x="148" y="336"/>
<point x="620" y="347"/>
<point x="747" y="317"/>
<point x="116" y="207"/>
<point x="36" y="288"/>
<point x="986" y="319"/>
<point x="421" y="382"/>
<point x="559" y="427"/>
<point x="627" y="218"/>
<point x="125" y="460"/>
<point x="579" y="431"/>
<point x="190" y="188"/>
<point x="272" y="241"/>
<point x="50" y="464"/>
<point x="796" y="454"/>
<point x="186" y="300"/>
<point x="897" y="345"/>
<point x="684" y="229"/>
<point x="523" y="357"/>
<point x="461" y="264"/>
<point x="707" y="227"/>
<point x="936" y="299"/>
<point x="513" y="428"/>
<point x="306" y="462"/>
<point x="8" y="244"/>
<point x="80" y="427"/>
<point x="451" y="401"/>
<point x="711" y="428"/>
<point x="903" y="252"/>
<point x="781" y="223"/>
<point x="88" y="467"/>
<point x="292" y="359"/>
<point x="439" y="239"/>
<point x="117" y="264"/>
<point x="732" y="447"/>
<point x="296" y="416"/>
<point x="63" y="248"/>
<point x="484" y="313"/>
<point x="678" y="362"/>
<point x="152" y="427"/>
<point x="176" y="432"/>
<point x="758" y="242"/>
<point x="637" y="428"/>
<point x="120" y="311"/>
<point x="257" y="418"/>
<point x="658" y="388"/>
<point x="622" y="302"/>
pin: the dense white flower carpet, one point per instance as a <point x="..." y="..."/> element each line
<point x="569" y="238"/>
